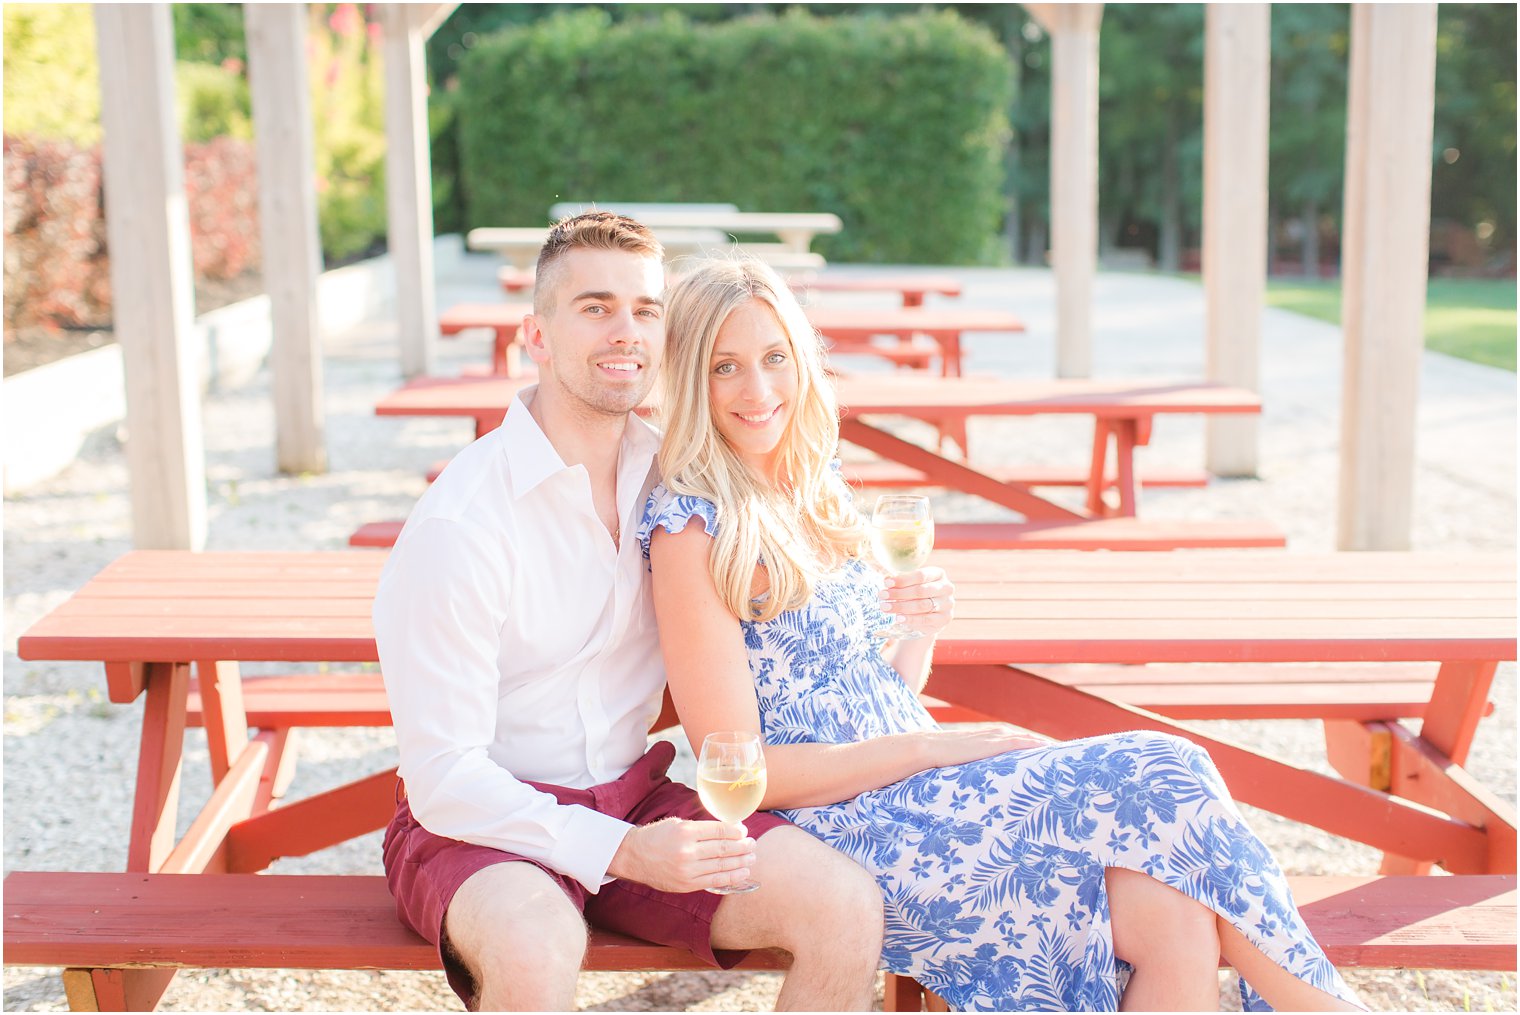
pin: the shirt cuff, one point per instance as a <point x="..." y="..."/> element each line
<point x="587" y="845"/>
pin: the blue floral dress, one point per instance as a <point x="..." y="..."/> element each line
<point x="992" y="871"/>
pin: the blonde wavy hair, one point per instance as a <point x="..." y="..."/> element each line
<point x="799" y="531"/>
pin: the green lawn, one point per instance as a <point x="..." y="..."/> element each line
<point x="1473" y="319"/>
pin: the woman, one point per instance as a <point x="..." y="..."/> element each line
<point x="1017" y="873"/>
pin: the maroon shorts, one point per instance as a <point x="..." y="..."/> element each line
<point x="424" y="870"/>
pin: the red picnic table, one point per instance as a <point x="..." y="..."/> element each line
<point x="152" y="614"/>
<point x="1123" y="413"/>
<point x="913" y="287"/>
<point x="1021" y="622"/>
<point x="922" y="333"/>
<point x="938" y="330"/>
<point x="501" y="319"/>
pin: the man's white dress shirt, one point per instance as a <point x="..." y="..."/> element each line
<point x="517" y="643"/>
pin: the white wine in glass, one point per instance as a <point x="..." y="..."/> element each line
<point x="902" y="534"/>
<point x="731" y="783"/>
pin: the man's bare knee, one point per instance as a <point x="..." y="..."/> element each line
<point x="822" y="903"/>
<point x="519" y="936"/>
<point x="847" y="903"/>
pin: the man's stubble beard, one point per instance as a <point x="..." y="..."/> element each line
<point x="591" y="399"/>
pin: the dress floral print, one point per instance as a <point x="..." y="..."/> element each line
<point x="992" y="871"/>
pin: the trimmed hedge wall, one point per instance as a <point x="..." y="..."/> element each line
<point x="897" y="124"/>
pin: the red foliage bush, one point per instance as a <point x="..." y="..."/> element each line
<point x="57" y="267"/>
<point x="221" y="184"/>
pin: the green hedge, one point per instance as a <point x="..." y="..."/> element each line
<point x="895" y="124"/>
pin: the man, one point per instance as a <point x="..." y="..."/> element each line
<point x="518" y="643"/>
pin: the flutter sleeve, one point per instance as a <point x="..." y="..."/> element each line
<point x="671" y="512"/>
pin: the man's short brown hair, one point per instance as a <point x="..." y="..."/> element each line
<point x="592" y="230"/>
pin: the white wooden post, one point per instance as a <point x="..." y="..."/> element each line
<point x="288" y="227"/>
<point x="1236" y="86"/>
<point x="1384" y="267"/>
<point x="408" y="184"/>
<point x="1073" y="31"/>
<point x="152" y="283"/>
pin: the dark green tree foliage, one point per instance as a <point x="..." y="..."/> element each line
<point x="1150" y="133"/>
<point x="1029" y="150"/>
<point x="1473" y="180"/>
<point x="1310" y="47"/>
<point x="898" y="125"/>
<point x="1027" y="183"/>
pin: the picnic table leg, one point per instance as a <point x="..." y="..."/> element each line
<point x="279" y="768"/>
<point x="156" y="800"/>
<point x="1420" y="772"/>
<point x="154" y="809"/>
<point x="1097" y="470"/>
<point x="1451" y="721"/>
<point x="901" y="993"/>
<point x="506" y="361"/>
<point x="950" y="353"/>
<point x="226" y="722"/>
<point x="1456" y="704"/>
<point x="221" y="687"/>
<point x="1126" y="438"/>
<point x="953" y="428"/>
<point x="115" y="989"/>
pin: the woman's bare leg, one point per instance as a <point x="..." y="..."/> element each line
<point x="1170" y="940"/>
<point x="1281" y="989"/>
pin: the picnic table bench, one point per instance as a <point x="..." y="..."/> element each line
<point x="936" y="331"/>
<point x="106" y="928"/>
<point x="152" y="614"/>
<point x="912" y="287"/>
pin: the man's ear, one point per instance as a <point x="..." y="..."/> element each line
<point x="534" y="339"/>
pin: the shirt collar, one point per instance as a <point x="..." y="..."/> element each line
<point x="531" y="459"/>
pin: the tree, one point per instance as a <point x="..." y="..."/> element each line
<point x="1310" y="46"/>
<point x="209" y="33"/>
<point x="1473" y="179"/>
<point x="1150" y="142"/>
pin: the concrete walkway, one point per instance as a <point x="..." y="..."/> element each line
<point x="69" y="756"/>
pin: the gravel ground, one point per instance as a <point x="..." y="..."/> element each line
<point x="69" y="756"/>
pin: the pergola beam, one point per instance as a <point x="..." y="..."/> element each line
<point x="426" y="18"/>
<point x="152" y="288"/>
<point x="1385" y="252"/>
<point x="292" y="253"/>
<point x="1237" y="85"/>
<point x="408" y="180"/>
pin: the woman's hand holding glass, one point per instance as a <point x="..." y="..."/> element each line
<point x="901" y="534"/>
<point x="922" y="601"/>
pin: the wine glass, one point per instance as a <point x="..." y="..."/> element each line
<point x="902" y="534"/>
<point x="731" y="783"/>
